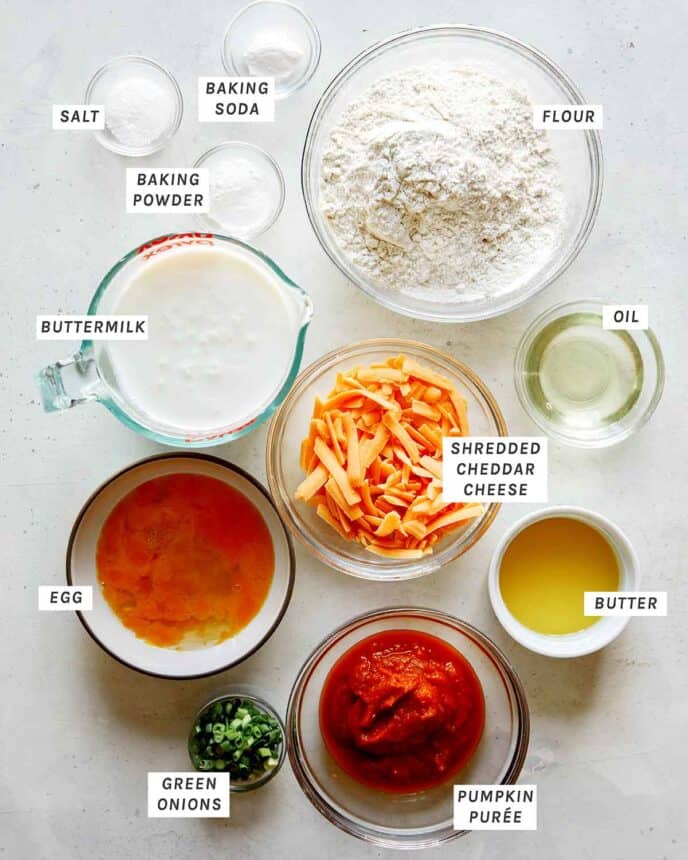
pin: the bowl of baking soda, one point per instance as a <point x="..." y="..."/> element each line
<point x="275" y="39"/>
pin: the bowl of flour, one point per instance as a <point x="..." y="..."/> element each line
<point x="427" y="184"/>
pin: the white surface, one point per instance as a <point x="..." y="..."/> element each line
<point x="79" y="732"/>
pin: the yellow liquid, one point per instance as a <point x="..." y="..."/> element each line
<point x="547" y="568"/>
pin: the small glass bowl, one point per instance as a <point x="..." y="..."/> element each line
<point x="283" y="19"/>
<point x="214" y="157"/>
<point x="118" y="70"/>
<point x="651" y="386"/>
<point x="421" y="819"/>
<point x="290" y="425"/>
<point x="247" y="694"/>
<point x="579" y="154"/>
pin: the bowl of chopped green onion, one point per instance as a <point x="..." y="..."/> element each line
<point x="240" y="734"/>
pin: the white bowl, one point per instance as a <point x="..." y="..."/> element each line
<point x="599" y="634"/>
<point x="106" y="628"/>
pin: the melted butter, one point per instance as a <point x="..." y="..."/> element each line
<point x="548" y="567"/>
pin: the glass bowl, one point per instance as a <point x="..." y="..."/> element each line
<point x="119" y="69"/>
<point x="650" y="380"/>
<point x="420" y="819"/>
<point x="290" y="426"/>
<point x="275" y="17"/>
<point x="273" y="189"/>
<point x="579" y="154"/>
<point x="245" y="693"/>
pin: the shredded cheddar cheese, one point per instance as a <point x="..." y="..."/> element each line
<point x="373" y="458"/>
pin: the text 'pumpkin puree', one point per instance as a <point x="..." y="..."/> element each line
<point x="373" y="457"/>
<point x="186" y="559"/>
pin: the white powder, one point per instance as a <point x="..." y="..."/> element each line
<point x="138" y="111"/>
<point x="243" y="195"/>
<point x="273" y="55"/>
<point x="435" y="183"/>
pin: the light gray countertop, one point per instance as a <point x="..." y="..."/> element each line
<point x="79" y="731"/>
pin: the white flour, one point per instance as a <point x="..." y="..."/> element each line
<point x="434" y="182"/>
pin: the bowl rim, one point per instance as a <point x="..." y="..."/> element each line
<point x="242" y="691"/>
<point x="231" y="467"/>
<point x="536" y="326"/>
<point x="570" y="645"/>
<point x="592" y="138"/>
<point x="417" y="567"/>
<point x="331" y="814"/>
<point x="151" y="149"/>
<point x="235" y="143"/>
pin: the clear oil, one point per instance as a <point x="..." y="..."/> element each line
<point x="581" y="376"/>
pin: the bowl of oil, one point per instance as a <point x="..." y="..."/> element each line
<point x="541" y="570"/>
<point x="583" y="384"/>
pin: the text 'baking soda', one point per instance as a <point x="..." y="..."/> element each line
<point x="236" y="99"/>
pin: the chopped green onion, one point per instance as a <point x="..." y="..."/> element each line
<point x="237" y="737"/>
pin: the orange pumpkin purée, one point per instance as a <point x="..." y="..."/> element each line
<point x="185" y="557"/>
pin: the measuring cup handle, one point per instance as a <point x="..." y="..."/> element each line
<point x="60" y="390"/>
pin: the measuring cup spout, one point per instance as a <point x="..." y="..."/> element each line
<point x="305" y="307"/>
<point x="68" y="383"/>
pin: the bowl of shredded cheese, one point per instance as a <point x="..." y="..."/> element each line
<point x="354" y="458"/>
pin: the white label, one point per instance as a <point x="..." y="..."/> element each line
<point x="56" y="598"/>
<point x="615" y="603"/>
<point x="76" y="117"/>
<point x="236" y="99"/>
<point x="625" y="317"/>
<point x="494" y="469"/>
<point x="495" y="807"/>
<point x="167" y="189"/>
<point x="567" y="116"/>
<point x="188" y="795"/>
<point x="95" y="327"/>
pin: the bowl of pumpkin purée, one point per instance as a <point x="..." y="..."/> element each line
<point x="190" y="565"/>
<point x="390" y="711"/>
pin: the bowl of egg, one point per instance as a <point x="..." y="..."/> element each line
<point x="190" y="566"/>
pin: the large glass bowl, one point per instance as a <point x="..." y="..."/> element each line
<point x="419" y="819"/>
<point x="290" y="425"/>
<point x="579" y="153"/>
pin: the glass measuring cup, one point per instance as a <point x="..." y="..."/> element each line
<point x="87" y="375"/>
